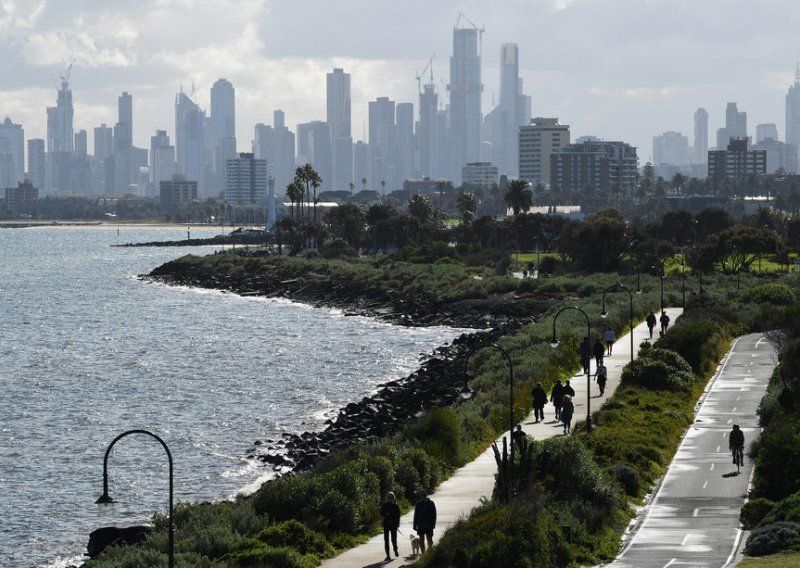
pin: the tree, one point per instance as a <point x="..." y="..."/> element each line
<point x="517" y="196"/>
<point x="294" y="191"/>
<point x="352" y="187"/>
<point x="307" y="175"/>
<point x="678" y="227"/>
<point x="364" y="184"/>
<point x="420" y="208"/>
<point x="467" y="206"/>
<point x="595" y="245"/>
<point x="347" y="222"/>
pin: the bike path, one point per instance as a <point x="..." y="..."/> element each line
<point x="462" y="492"/>
<point x="693" y="520"/>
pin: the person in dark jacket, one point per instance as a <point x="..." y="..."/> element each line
<point x="539" y="400"/>
<point x="556" y="396"/>
<point x="425" y="520"/>
<point x="664" y="319"/>
<point x="567" y="409"/>
<point x="599" y="351"/>
<point x="390" y="512"/>
<point x="568" y="390"/>
<point x="735" y="440"/>
<point x="651" y="322"/>
<point x="585" y="352"/>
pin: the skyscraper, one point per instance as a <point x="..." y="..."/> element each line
<point x="123" y="130"/>
<point x="501" y="127"/>
<point x="426" y="132"/>
<point x="162" y="158"/>
<point x="12" y="154"/>
<point x="314" y="147"/>
<point x="382" y="143"/>
<point x="103" y="141"/>
<point x="465" y="100"/>
<point x="275" y="144"/>
<point x="793" y="111"/>
<point x="404" y="131"/>
<point x="81" y="142"/>
<point x="735" y="126"/>
<point x="37" y="163"/>
<point x="59" y="120"/>
<point x="764" y="131"/>
<point x="190" y="141"/>
<point x="223" y="109"/>
<point x="700" y="136"/>
<point x="339" y="121"/>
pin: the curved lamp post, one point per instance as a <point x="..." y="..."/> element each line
<point x="105" y="502"/>
<point x="466" y="392"/>
<point x="554" y="344"/>
<point x="604" y="313"/>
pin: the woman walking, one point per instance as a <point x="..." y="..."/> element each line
<point x="567" y="409"/>
<point x="390" y="512"/>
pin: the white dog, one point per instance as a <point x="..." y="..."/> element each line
<point x="414" y="544"/>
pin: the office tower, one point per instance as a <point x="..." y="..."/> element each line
<point x="37" y="163"/>
<point x="537" y="141"/>
<point x="81" y="142"/>
<point x="735" y="126"/>
<point x="223" y="109"/>
<point x="465" y="100"/>
<point x="339" y="121"/>
<point x="275" y="144"/>
<point x="246" y="182"/>
<point x="764" y="131"/>
<point x="103" y="141"/>
<point x="501" y="127"/>
<point x="162" y="158"/>
<point x="671" y="148"/>
<point x="314" y="147"/>
<point x="700" y="136"/>
<point x="190" y="141"/>
<point x="382" y="143"/>
<point x="426" y="132"/>
<point x="736" y="161"/>
<point x="12" y="153"/>
<point x="780" y="155"/>
<point x="123" y="130"/>
<point x="361" y="166"/>
<point x="597" y="165"/>
<point x="793" y="111"/>
<point x="404" y="130"/>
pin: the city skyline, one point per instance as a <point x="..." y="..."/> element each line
<point x="627" y="71"/>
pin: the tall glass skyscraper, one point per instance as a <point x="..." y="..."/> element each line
<point x="465" y="100"/>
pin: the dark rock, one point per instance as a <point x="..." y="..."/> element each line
<point x="101" y="538"/>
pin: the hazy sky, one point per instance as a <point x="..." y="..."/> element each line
<point x="618" y="69"/>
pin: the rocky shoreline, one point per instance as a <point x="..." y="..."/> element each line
<point x="384" y="413"/>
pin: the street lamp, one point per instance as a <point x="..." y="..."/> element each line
<point x="466" y="392"/>
<point x="683" y="282"/>
<point x="554" y="344"/>
<point x="105" y="502"/>
<point x="604" y="313"/>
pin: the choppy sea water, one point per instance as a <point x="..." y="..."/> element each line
<point x="87" y="352"/>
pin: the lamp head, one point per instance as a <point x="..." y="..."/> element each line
<point x="554" y="342"/>
<point x="105" y="502"/>
<point x="465" y="392"/>
<point x="604" y="314"/>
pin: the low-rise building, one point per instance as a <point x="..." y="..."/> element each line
<point x="736" y="161"/>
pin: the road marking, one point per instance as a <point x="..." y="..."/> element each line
<point x="760" y="341"/>
<point x="695" y="512"/>
<point x="718" y="447"/>
<point x="730" y="420"/>
<point x="738" y="398"/>
<point x="705" y="484"/>
<point x="712" y="467"/>
<point x="683" y="543"/>
<point x="670" y="563"/>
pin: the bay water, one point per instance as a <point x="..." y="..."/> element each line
<point x="88" y="351"/>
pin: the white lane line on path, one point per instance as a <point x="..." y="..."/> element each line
<point x="718" y="447"/>
<point x="738" y="398"/>
<point x="683" y="543"/>
<point x="734" y="409"/>
<point x="712" y="467"/>
<point x="695" y="512"/>
<point x="729" y="420"/>
<point x="705" y="484"/>
<point x="670" y="563"/>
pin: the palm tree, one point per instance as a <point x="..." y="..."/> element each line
<point x="352" y="187"/>
<point x="518" y="196"/>
<point x="364" y="183"/>
<point x="468" y="206"/>
<point x="294" y="191"/>
<point x="307" y="175"/>
<point x="383" y="187"/>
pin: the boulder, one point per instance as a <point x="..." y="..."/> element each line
<point x="101" y="538"/>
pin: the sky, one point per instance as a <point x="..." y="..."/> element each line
<point x="617" y="69"/>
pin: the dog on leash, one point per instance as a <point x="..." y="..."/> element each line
<point x="414" y="544"/>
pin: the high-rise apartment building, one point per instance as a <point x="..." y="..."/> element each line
<point x="177" y="193"/>
<point x="223" y="110"/>
<point x="382" y="143"/>
<point x="427" y="132"/>
<point x="246" y="182"/>
<point x="736" y="161"/>
<point x="103" y="141"/>
<point x="700" y="136"/>
<point x="275" y="144"/>
<point x="162" y="158"/>
<point x="81" y="142"/>
<point x="465" y="100"/>
<point x="501" y="126"/>
<point x="404" y="130"/>
<point x="537" y="141"/>
<point x="59" y="121"/>
<point x="780" y="156"/>
<point x="12" y="153"/>
<point x="314" y="147"/>
<point x="671" y="148"/>
<point x="339" y="121"/>
<point x="595" y="165"/>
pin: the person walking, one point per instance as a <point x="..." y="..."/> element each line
<point x="601" y="376"/>
<point x="567" y="410"/>
<point x="664" y="319"/>
<point x="651" y="322"/>
<point x="584" y="350"/>
<point x="424" y="520"/>
<point x="599" y="352"/>
<point x="390" y="512"/>
<point x="568" y="389"/>
<point x="518" y="436"/>
<point x="609" y="338"/>
<point x="539" y="399"/>
<point x="556" y="396"/>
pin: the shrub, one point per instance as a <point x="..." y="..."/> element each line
<point x="338" y="248"/>
<point x="772" y="538"/>
<point x="627" y="477"/>
<point x="776" y="452"/>
<point x="439" y="434"/>
<point x="659" y="369"/>
<point x="754" y="511"/>
<point x="273" y="556"/>
<point x="786" y="510"/>
<point x="699" y="343"/>
<point x="775" y="293"/>
<point x="298" y="536"/>
<point x="338" y="513"/>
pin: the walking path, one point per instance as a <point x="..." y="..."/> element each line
<point x="462" y="492"/>
<point x="693" y="521"/>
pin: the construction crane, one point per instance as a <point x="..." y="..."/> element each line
<point x="65" y="75"/>
<point x="422" y="73"/>
<point x="475" y="26"/>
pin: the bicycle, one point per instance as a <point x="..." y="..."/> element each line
<point x="738" y="457"/>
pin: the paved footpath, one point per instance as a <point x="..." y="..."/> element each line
<point x="462" y="492"/>
<point x="693" y="521"/>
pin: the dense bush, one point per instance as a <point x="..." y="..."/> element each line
<point x="439" y="435"/>
<point x="659" y="369"/>
<point x="281" y="557"/>
<point x="772" y="538"/>
<point x="627" y="477"/>
<point x="754" y="511"/>
<point x="777" y="452"/>
<point x="298" y="536"/>
<point x="774" y="293"/>
<point x="700" y="343"/>
<point x="338" y="248"/>
<point x="786" y="510"/>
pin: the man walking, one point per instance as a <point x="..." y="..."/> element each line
<point x="651" y="322"/>
<point x="664" y="319"/>
<point x="556" y="396"/>
<point x="424" y="520"/>
<point x="584" y="350"/>
<point x="539" y="399"/>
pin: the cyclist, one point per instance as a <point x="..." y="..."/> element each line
<point x="736" y="442"/>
